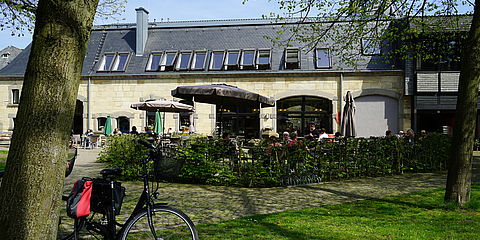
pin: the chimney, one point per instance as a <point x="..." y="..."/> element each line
<point x="142" y="30"/>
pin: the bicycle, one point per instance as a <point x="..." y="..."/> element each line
<point x="148" y="220"/>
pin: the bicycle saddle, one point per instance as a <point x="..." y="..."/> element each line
<point x="111" y="172"/>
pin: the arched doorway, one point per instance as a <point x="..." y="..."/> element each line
<point x="294" y="113"/>
<point x="77" y="126"/>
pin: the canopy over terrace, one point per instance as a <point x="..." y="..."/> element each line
<point x="221" y="94"/>
<point x="162" y="106"/>
<point x="230" y="100"/>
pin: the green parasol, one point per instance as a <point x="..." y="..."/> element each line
<point x="107" y="130"/>
<point x="158" y="123"/>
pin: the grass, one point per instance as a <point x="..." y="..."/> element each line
<point x="420" y="215"/>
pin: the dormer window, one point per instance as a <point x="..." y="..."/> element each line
<point x="5" y="55"/>
<point x="154" y="62"/>
<point x="216" y="62"/>
<point x="232" y="59"/>
<point x="120" y="62"/>
<point x="198" y="61"/>
<point x="114" y="62"/>
<point x="292" y="58"/>
<point x="183" y="62"/>
<point x="264" y="59"/>
<point x="322" y="58"/>
<point x="248" y="59"/>
<point x="168" y="61"/>
<point x="370" y="46"/>
<point x="107" y="61"/>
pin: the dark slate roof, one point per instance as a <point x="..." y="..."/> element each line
<point x="11" y="52"/>
<point x="190" y="35"/>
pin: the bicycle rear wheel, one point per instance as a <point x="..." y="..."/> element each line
<point x="169" y="223"/>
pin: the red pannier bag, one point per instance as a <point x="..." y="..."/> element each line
<point x="78" y="202"/>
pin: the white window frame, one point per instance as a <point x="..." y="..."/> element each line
<point x="179" y="60"/>
<point x="227" y="58"/>
<point x="212" y="58"/>
<point x="150" y="59"/>
<point x="288" y="60"/>
<point x="257" y="57"/>
<point x="365" y="45"/>
<point x="163" y="62"/>
<point x="116" y="62"/>
<point x="252" y="65"/>
<point x="101" y="68"/>
<point x="194" y="59"/>
<point x="328" y="55"/>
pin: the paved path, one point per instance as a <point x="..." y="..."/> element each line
<point x="213" y="203"/>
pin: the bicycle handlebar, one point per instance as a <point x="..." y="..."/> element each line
<point x="146" y="144"/>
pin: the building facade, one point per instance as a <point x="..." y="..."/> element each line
<point x="146" y="60"/>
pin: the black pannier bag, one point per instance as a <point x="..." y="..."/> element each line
<point x="102" y="196"/>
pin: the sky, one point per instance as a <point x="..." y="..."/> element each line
<point x="172" y="10"/>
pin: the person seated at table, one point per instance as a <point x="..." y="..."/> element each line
<point x="323" y="134"/>
<point x="89" y="132"/>
<point x="311" y="132"/>
<point x="148" y="131"/>
<point x="134" y="130"/>
<point x="293" y="140"/>
<point x="116" y="132"/>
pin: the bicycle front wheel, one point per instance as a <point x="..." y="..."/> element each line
<point x="167" y="222"/>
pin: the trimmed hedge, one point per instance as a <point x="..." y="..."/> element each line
<point x="264" y="163"/>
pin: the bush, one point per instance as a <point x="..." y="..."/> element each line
<point x="265" y="163"/>
<point x="268" y="164"/>
<point x="123" y="151"/>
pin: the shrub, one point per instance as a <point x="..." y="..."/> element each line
<point x="267" y="163"/>
<point x="123" y="151"/>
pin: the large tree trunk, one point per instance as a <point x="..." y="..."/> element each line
<point x="31" y="189"/>
<point x="460" y="169"/>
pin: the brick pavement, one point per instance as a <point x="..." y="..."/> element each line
<point x="213" y="203"/>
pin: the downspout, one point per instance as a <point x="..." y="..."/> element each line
<point x="88" y="101"/>
<point x="340" y="102"/>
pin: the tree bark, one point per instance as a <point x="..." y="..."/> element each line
<point x="31" y="189"/>
<point x="460" y="165"/>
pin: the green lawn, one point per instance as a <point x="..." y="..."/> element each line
<point x="421" y="215"/>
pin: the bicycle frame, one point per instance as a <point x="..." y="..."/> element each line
<point x="145" y="200"/>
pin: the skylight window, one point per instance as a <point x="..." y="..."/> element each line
<point x="168" y="61"/>
<point x="292" y="58"/>
<point x="216" y="62"/>
<point x="370" y="46"/>
<point x="120" y="62"/>
<point x="154" y="62"/>
<point x="263" y="58"/>
<point x="232" y="59"/>
<point x="107" y="61"/>
<point x="183" y="62"/>
<point x="248" y="59"/>
<point x="198" y="62"/>
<point x="322" y="58"/>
